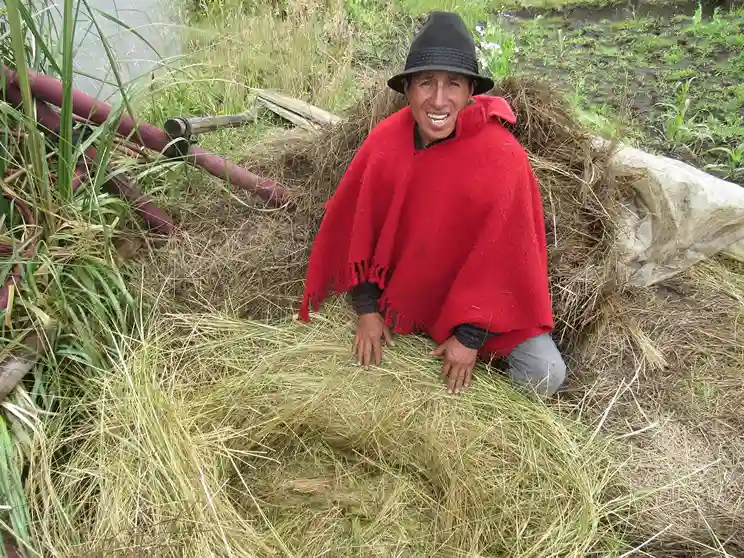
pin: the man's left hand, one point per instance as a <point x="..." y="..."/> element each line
<point x="459" y="362"/>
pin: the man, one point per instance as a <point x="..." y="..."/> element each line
<point x="437" y="225"/>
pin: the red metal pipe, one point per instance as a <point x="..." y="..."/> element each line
<point x="79" y="175"/>
<point x="11" y="550"/>
<point x="120" y="185"/>
<point x="15" y="275"/>
<point x="155" y="217"/>
<point x="45" y="115"/>
<point x="267" y="189"/>
<point x="13" y="95"/>
<point x="50" y="90"/>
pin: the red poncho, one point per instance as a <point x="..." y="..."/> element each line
<point x="453" y="234"/>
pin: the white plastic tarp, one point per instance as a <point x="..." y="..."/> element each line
<point x="736" y="251"/>
<point x="679" y="216"/>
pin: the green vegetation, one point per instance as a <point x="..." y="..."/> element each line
<point x="317" y="51"/>
<point x="672" y="83"/>
<point x="155" y="423"/>
<point x="72" y="301"/>
<point x="668" y="82"/>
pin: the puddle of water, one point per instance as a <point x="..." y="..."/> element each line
<point x="152" y="19"/>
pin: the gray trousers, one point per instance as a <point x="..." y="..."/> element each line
<point x="537" y="365"/>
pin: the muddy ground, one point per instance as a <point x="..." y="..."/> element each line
<point x="668" y="77"/>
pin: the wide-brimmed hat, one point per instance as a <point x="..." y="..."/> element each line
<point x="443" y="44"/>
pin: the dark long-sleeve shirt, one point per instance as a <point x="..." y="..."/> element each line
<point x="364" y="299"/>
<point x="364" y="296"/>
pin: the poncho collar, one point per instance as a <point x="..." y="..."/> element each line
<point x="473" y="117"/>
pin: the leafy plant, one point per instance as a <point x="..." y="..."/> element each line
<point x="697" y="18"/>
<point x="733" y="165"/>
<point x="496" y="49"/>
<point x="69" y="291"/>
<point x="679" y="125"/>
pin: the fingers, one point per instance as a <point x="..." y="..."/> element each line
<point x="468" y="377"/>
<point x="389" y="339"/>
<point x="460" y="379"/>
<point x="454" y="377"/>
<point x="366" y="352"/>
<point x="453" y="380"/>
<point x="377" y="351"/>
<point x="446" y="369"/>
<point x="449" y="373"/>
<point x="439" y="351"/>
<point x="457" y="377"/>
<point x="360" y="350"/>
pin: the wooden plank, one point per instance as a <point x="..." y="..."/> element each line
<point x="300" y="108"/>
<point x="293" y="117"/>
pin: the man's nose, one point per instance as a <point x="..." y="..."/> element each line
<point x="439" y="99"/>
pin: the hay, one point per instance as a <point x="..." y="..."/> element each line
<point x="211" y="436"/>
<point x="663" y="372"/>
<point x="253" y="262"/>
<point x="657" y="369"/>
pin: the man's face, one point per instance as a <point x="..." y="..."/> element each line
<point x="436" y="98"/>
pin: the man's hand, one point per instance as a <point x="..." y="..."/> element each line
<point x="459" y="362"/>
<point x="371" y="328"/>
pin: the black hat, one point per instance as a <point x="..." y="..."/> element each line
<point x="443" y="44"/>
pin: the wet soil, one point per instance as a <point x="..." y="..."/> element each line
<point x="576" y="14"/>
<point x="671" y="78"/>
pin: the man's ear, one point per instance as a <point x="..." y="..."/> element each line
<point x="406" y="87"/>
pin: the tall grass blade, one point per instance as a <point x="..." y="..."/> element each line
<point x="112" y="62"/>
<point x="40" y="38"/>
<point x="66" y="161"/>
<point x="129" y="28"/>
<point x="36" y="146"/>
<point x="11" y="485"/>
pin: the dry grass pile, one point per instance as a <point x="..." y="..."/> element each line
<point x="664" y="373"/>
<point x="240" y="257"/>
<point x="212" y="436"/>
<point x="659" y="369"/>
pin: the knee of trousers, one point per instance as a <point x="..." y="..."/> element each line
<point x="543" y="375"/>
<point x="555" y="375"/>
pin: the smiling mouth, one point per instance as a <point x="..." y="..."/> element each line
<point x="438" y="120"/>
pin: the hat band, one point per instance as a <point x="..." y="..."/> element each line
<point x="442" y="56"/>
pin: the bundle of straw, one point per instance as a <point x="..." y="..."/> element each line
<point x="212" y="436"/>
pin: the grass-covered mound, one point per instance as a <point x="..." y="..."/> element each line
<point x="213" y="436"/>
<point x="663" y="375"/>
<point x="653" y="368"/>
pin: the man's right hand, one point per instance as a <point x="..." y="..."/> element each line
<point x="371" y="329"/>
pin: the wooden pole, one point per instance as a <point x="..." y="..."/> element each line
<point x="185" y="127"/>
